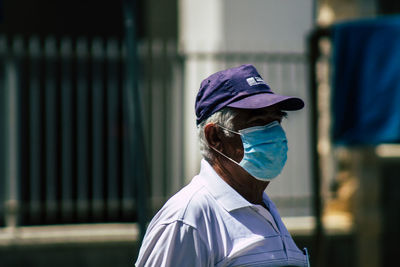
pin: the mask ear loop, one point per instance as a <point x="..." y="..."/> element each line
<point x="229" y="130"/>
<point x="216" y="150"/>
<point x="219" y="152"/>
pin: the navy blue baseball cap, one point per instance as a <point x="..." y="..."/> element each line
<point x="241" y="87"/>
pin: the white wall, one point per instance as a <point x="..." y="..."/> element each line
<point x="267" y="25"/>
<point x="244" y="25"/>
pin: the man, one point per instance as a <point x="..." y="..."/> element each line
<point x="223" y="217"/>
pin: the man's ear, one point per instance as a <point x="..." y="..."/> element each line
<point x="212" y="135"/>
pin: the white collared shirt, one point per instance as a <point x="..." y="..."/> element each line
<point x="208" y="223"/>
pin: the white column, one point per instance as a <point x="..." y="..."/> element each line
<point x="200" y="33"/>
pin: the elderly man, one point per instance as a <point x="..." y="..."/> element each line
<point x="223" y="217"/>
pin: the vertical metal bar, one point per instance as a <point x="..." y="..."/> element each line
<point x="133" y="112"/>
<point x="175" y="125"/>
<point x="98" y="129"/>
<point x="51" y="153"/>
<point x="12" y="134"/>
<point x="165" y="120"/>
<point x="82" y="129"/>
<point x="3" y="60"/>
<point x="169" y="119"/>
<point x="143" y="85"/>
<point x="314" y="53"/>
<point x="126" y="150"/>
<point x="35" y="140"/>
<point x="159" y="182"/>
<point x="98" y="167"/>
<point x="144" y="49"/>
<point x="112" y="135"/>
<point x="128" y="184"/>
<point x="23" y="136"/>
<point x="66" y="130"/>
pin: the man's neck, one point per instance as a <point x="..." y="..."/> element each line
<point x="242" y="182"/>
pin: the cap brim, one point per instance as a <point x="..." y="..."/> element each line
<point x="268" y="99"/>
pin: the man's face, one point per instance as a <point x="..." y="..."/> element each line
<point x="257" y="117"/>
<point x="247" y="118"/>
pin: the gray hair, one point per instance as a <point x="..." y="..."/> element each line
<point x="223" y="117"/>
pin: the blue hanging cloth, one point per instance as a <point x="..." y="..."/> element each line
<point x="366" y="81"/>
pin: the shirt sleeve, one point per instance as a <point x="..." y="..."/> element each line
<point x="174" y="244"/>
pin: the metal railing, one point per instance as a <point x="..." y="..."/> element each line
<point x="64" y="131"/>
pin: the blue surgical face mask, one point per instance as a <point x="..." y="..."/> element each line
<point x="265" y="150"/>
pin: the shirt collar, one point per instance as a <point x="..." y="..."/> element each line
<point x="229" y="199"/>
<point x="221" y="191"/>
